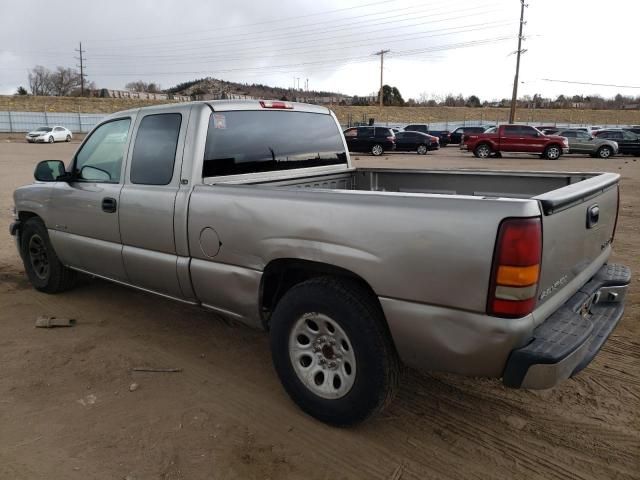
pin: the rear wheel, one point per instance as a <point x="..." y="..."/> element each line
<point x="377" y="150"/>
<point x="44" y="270"/>
<point x="332" y="352"/>
<point x="482" y="151"/>
<point x="552" y="152"/>
<point x="605" y="151"/>
<point x="422" y="150"/>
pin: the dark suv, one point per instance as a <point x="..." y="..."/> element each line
<point x="374" y="140"/>
<point x="457" y="134"/>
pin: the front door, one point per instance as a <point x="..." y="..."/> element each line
<point x="148" y="198"/>
<point x="85" y="230"/>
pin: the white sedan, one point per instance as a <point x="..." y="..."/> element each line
<point x="49" y="135"/>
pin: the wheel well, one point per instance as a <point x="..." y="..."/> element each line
<point x="24" y="216"/>
<point x="553" y="145"/>
<point x="282" y="274"/>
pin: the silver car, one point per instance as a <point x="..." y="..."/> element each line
<point x="581" y="142"/>
<point x="49" y="135"/>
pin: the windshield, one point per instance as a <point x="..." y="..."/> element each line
<point x="264" y="141"/>
<point x="44" y="129"/>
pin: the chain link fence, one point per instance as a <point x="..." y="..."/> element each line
<point x="22" y="122"/>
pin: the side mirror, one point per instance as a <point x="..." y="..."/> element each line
<point x="50" y="171"/>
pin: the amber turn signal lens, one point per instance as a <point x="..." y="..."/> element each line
<point x="517" y="276"/>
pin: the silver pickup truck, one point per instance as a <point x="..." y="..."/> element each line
<point x="254" y="210"/>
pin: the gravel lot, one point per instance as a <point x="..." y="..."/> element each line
<point x="66" y="410"/>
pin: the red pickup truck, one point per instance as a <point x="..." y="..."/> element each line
<point x="516" y="139"/>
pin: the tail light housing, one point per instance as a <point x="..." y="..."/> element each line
<point x="516" y="268"/>
<point x="276" y="104"/>
<point x="392" y="139"/>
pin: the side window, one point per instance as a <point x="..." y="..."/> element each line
<point x="100" y="158"/>
<point x="570" y="134"/>
<point x="365" y="132"/>
<point x="629" y="136"/>
<point x="154" y="151"/>
<point x="528" y="131"/>
<point x="511" y="131"/>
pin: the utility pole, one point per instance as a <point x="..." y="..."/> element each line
<point x="514" y="97"/>
<point x="381" y="53"/>
<point x="82" y="74"/>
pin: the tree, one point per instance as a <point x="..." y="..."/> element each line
<point x="61" y="82"/>
<point x="473" y="101"/>
<point x="391" y="96"/>
<point x="40" y="80"/>
<point x="22" y="91"/>
<point x="64" y="81"/>
<point x="142" y="86"/>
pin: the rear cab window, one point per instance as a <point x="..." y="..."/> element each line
<point x="154" y="151"/>
<point x="257" y="141"/>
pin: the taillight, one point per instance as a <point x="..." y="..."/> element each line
<point x="275" y="104"/>
<point x="516" y="268"/>
<point x="391" y="139"/>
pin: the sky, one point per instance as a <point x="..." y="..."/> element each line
<point x="436" y="47"/>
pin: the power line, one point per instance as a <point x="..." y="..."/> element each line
<point x="339" y="46"/>
<point x="284" y="19"/>
<point x="591" y="84"/>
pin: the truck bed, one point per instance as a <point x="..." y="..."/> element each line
<point x="495" y="184"/>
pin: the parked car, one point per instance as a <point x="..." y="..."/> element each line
<point x="550" y="131"/>
<point x="517" y="139"/>
<point x="414" y="142"/>
<point x="49" y="135"/>
<point x="442" y="135"/>
<point x="635" y="130"/>
<point x="582" y="142"/>
<point x="254" y="210"/>
<point x="374" y="140"/>
<point x="457" y="134"/>
<point x="628" y="142"/>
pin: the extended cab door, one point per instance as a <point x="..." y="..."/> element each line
<point x="511" y="138"/>
<point x="85" y="230"/>
<point x="148" y="197"/>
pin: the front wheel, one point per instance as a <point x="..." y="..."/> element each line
<point x="50" y="139"/>
<point x="332" y="352"/>
<point x="68" y="139"/>
<point x="44" y="270"/>
<point x="422" y="150"/>
<point x="552" y="152"/>
<point x="605" y="151"/>
<point x="377" y="150"/>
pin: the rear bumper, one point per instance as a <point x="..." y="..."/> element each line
<point x="570" y="338"/>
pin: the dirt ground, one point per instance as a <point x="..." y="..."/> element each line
<point x="66" y="410"/>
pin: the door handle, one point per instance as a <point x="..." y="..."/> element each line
<point x="109" y="205"/>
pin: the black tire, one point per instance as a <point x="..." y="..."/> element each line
<point x="552" y="152"/>
<point x="377" y="150"/>
<point x="51" y="139"/>
<point x="482" y="151"/>
<point x="357" y="313"/>
<point x="422" y="150"/>
<point x="44" y="270"/>
<point x="605" y="151"/>
<point x="68" y="139"/>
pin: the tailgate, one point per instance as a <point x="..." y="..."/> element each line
<point x="578" y="224"/>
